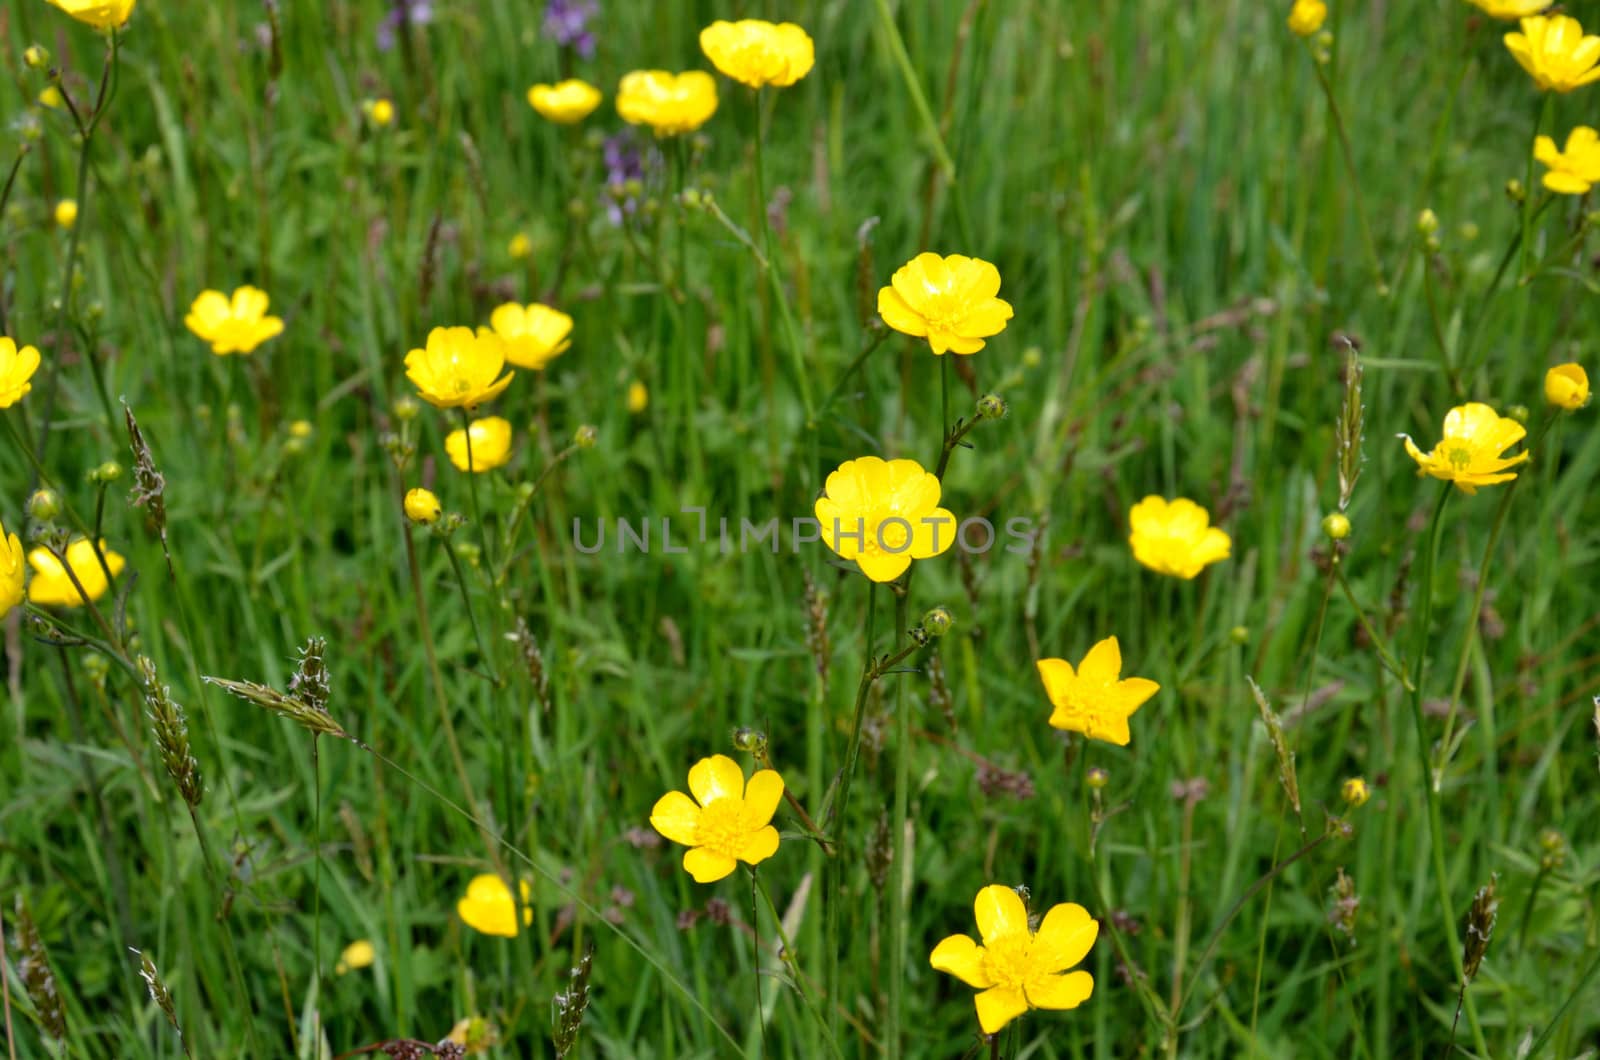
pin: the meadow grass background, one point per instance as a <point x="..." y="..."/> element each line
<point x="1162" y="191"/>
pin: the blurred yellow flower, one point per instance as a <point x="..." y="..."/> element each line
<point x="101" y="14"/>
<point x="1175" y="537"/>
<point x="1307" y="16"/>
<point x="534" y="334"/>
<point x="638" y="397"/>
<point x="520" y="246"/>
<point x="66" y="213"/>
<point x="950" y="301"/>
<point x="668" y="103"/>
<point x="16" y="371"/>
<point x="50" y="96"/>
<point x="422" y="506"/>
<point x="1096" y="700"/>
<point x="488" y="906"/>
<point x="883" y="514"/>
<point x="1355" y="791"/>
<point x="52" y="586"/>
<point x="359" y="954"/>
<point x="1511" y="10"/>
<point x="459" y="368"/>
<point x="1016" y="967"/>
<point x="236" y="326"/>
<point x="1574" y="170"/>
<point x="474" y="1034"/>
<point x="566" y="102"/>
<point x="491" y="445"/>
<point x="1555" y="52"/>
<point x="379" y="112"/>
<point x="726" y="822"/>
<point x="1470" y="454"/>
<point x="758" y="53"/>
<point x="11" y="571"/>
<point x="1566" y="386"/>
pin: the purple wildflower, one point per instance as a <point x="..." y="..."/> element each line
<point x="567" y="23"/>
<point x="402" y="13"/>
<point x="627" y="161"/>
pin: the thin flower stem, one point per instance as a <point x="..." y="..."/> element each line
<point x="472" y="617"/>
<point x="875" y="339"/>
<point x="780" y="295"/>
<point x="1386" y="656"/>
<point x="1347" y="153"/>
<point x="899" y="862"/>
<point x="1419" y="655"/>
<point x="908" y="74"/>
<point x="316" y="907"/>
<point x="786" y="954"/>
<point x="1546" y="107"/>
<point x="472" y="489"/>
<point x="230" y="953"/>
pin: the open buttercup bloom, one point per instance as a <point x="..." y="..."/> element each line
<point x="727" y="821"/>
<point x="1555" y="52"/>
<point x="1566" y="386"/>
<point x="1307" y="16"/>
<point x="460" y="368"/>
<point x="12" y="570"/>
<point x="758" y="53"/>
<point x="17" y="366"/>
<point x="1018" y="967"/>
<point x="359" y="954"/>
<point x="233" y="325"/>
<point x="1471" y="452"/>
<point x="883" y="514"/>
<point x="534" y="334"/>
<point x="565" y="102"/>
<point x="669" y="103"/>
<point x="491" y="445"/>
<point x="1096" y="699"/>
<point x="950" y="301"/>
<point x="488" y="907"/>
<point x="52" y="585"/>
<point x="1175" y="537"/>
<point x="1574" y="170"/>
<point x="1511" y="10"/>
<point x="101" y="14"/>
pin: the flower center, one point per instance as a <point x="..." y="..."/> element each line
<point x="1005" y="960"/>
<point x="721" y="827"/>
<point x="1459" y="457"/>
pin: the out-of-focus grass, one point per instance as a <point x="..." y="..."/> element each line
<point x="1162" y="191"/>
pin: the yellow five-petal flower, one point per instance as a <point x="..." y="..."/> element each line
<point x="459" y="368"/>
<point x="491" y="445"/>
<point x="236" y="325"/>
<point x="101" y="14"/>
<point x="669" y="103"/>
<point x="1175" y="537"/>
<point x="883" y="514"/>
<point x="1015" y="967"/>
<point x="52" y="585"/>
<point x="1511" y="10"/>
<point x="11" y="572"/>
<point x="1096" y="700"/>
<point x="566" y="102"/>
<point x="16" y="371"/>
<point x="534" y="334"/>
<point x="758" y="53"/>
<point x="726" y="822"/>
<point x="488" y="906"/>
<point x="1471" y="453"/>
<point x="1575" y="170"/>
<point x="1555" y="52"/>
<point x="950" y="301"/>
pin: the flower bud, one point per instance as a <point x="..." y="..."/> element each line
<point x="66" y="213"/>
<point x="406" y="408"/>
<point x="1097" y="778"/>
<point x="1032" y="357"/>
<point x="379" y="111"/>
<point x="937" y="622"/>
<point x="1427" y="223"/>
<point x="520" y="246"/>
<point x="44" y="505"/>
<point x="423" y="507"/>
<point x="300" y="429"/>
<point x="1518" y="413"/>
<point x="36" y="56"/>
<point x="750" y="741"/>
<point x="1239" y="634"/>
<point x="1566" y="386"/>
<point x="1355" y="791"/>
<point x="106" y="473"/>
<point x="470" y="553"/>
<point x="992" y="407"/>
<point x="1336" y="526"/>
<point x="638" y="397"/>
<point x="1514" y="190"/>
<point x="585" y="437"/>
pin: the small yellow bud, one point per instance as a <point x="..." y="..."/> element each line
<point x="1336" y="526"/>
<point x="107" y="472"/>
<point x="520" y="246"/>
<point x="380" y="112"/>
<point x="300" y="429"/>
<point x="1239" y="634"/>
<point x="937" y="622"/>
<point x="1355" y="791"/>
<point x="1566" y="386"/>
<point x="1518" y="413"/>
<point x="406" y="408"/>
<point x="66" y="213"/>
<point x="1427" y="223"/>
<point x="585" y="437"/>
<point x="638" y="397"/>
<point x="50" y="96"/>
<point x="1098" y="778"/>
<point x="1307" y="16"/>
<point x="44" y="505"/>
<point x="36" y="56"/>
<point x="422" y="506"/>
<point x="1514" y="190"/>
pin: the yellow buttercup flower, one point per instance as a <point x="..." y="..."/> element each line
<point x="638" y="397"/>
<point x="475" y="1034"/>
<point x="520" y="246"/>
<point x="1566" y="386"/>
<point x="1511" y="10"/>
<point x="727" y="821"/>
<point x="488" y="906"/>
<point x="101" y="14"/>
<point x="1016" y="967"/>
<point x="758" y="53"/>
<point x="1470" y="454"/>
<point x="238" y="325"/>
<point x="1555" y="52"/>
<point x="1307" y="16"/>
<point x="66" y="213"/>
<point x="459" y="368"/>
<point x="52" y="586"/>
<point x="1096" y="700"/>
<point x="422" y="506"/>
<point x="359" y="954"/>
<point x="950" y="301"/>
<point x="491" y="445"/>
<point x="50" y="96"/>
<point x="16" y="371"/>
<point x="668" y="103"/>
<point x="380" y="112"/>
<point x="883" y="514"/>
<point x="1175" y="537"/>
<point x="11" y="572"/>
<point x="1575" y="170"/>
<point x="566" y="102"/>
<point x="534" y="334"/>
<point x="1355" y="791"/>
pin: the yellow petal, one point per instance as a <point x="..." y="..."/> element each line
<point x="1057" y="676"/>
<point x="717" y="777"/>
<point x="1132" y="692"/>
<point x="933" y="534"/>
<point x="999" y="911"/>
<point x="882" y="567"/>
<point x="962" y="958"/>
<point x="1061" y="991"/>
<point x="1103" y="663"/>
<point x="759" y="845"/>
<point x="898" y="315"/>
<point x="998" y="1007"/>
<point x="761" y="797"/>
<point x="677" y="817"/>
<point x="1064" y="938"/>
<point x="707" y="866"/>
